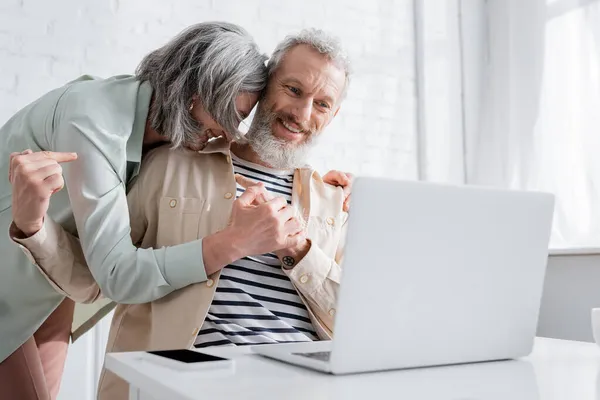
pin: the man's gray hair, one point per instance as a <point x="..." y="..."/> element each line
<point x="324" y="42"/>
<point x="215" y="61"/>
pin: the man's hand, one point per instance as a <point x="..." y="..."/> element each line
<point x="35" y="177"/>
<point x="343" y="179"/>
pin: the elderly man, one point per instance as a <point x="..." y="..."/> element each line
<point x="281" y="285"/>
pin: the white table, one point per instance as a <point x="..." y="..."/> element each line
<point x="556" y="369"/>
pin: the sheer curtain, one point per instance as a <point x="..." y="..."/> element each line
<point x="539" y="123"/>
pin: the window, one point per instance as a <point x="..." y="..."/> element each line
<point x="538" y="122"/>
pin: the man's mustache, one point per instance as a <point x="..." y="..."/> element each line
<point x="304" y="127"/>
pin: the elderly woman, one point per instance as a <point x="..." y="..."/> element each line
<point x="198" y="86"/>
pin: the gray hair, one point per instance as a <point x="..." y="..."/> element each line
<point x="325" y="43"/>
<point x="215" y="61"/>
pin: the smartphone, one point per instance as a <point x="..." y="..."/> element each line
<point x="187" y="360"/>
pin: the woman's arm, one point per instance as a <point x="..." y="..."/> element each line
<point x="57" y="253"/>
<point x="124" y="273"/>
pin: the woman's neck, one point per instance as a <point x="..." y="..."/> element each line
<point x="152" y="138"/>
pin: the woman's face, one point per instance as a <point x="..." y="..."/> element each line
<point x="244" y="103"/>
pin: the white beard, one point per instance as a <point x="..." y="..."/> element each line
<point x="274" y="151"/>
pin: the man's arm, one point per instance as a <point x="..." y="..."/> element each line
<point x="316" y="276"/>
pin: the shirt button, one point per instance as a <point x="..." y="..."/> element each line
<point x="228" y="195"/>
<point x="304" y="279"/>
<point x="210" y="283"/>
<point x="173" y="203"/>
<point x="330" y="221"/>
<point x="332" y="312"/>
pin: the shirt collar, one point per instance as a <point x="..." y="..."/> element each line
<point x="136" y="139"/>
<point x="218" y="145"/>
<point x="135" y="142"/>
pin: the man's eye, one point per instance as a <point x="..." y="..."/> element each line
<point x="294" y="90"/>
<point x="323" y="105"/>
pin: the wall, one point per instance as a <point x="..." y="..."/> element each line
<point x="43" y="44"/>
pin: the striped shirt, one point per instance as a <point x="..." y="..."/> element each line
<point x="255" y="302"/>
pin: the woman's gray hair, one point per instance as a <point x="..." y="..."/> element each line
<point x="325" y="43"/>
<point x="215" y="61"/>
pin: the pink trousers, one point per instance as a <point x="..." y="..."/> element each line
<point x="35" y="369"/>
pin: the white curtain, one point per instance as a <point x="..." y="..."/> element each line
<point x="438" y="70"/>
<point x="539" y="119"/>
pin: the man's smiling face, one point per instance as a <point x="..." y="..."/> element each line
<point x="301" y="99"/>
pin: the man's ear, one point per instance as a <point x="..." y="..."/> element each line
<point x="336" y="112"/>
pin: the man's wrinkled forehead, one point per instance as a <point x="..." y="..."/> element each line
<point x="303" y="65"/>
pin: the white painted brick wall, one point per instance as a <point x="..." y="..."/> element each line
<point x="44" y="44"/>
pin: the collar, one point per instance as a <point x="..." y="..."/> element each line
<point x="136" y="139"/>
<point x="304" y="174"/>
<point x="218" y="145"/>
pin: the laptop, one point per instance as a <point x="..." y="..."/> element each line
<point x="433" y="275"/>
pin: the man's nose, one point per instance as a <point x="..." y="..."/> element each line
<point x="302" y="111"/>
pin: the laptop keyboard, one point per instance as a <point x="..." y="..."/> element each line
<point x="318" y="355"/>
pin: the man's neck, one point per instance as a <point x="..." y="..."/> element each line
<point x="247" y="153"/>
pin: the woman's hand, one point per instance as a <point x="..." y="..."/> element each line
<point x="343" y="179"/>
<point x="35" y="177"/>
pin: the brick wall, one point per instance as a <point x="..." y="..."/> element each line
<point x="45" y="43"/>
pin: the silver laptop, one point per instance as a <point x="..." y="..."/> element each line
<point x="433" y="275"/>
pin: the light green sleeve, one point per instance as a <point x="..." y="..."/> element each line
<point x="124" y="273"/>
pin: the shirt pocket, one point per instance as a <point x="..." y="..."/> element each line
<point x="325" y="231"/>
<point x="178" y="220"/>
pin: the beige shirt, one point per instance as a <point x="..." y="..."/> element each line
<point x="179" y="197"/>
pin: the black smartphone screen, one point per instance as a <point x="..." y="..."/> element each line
<point x="186" y="356"/>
